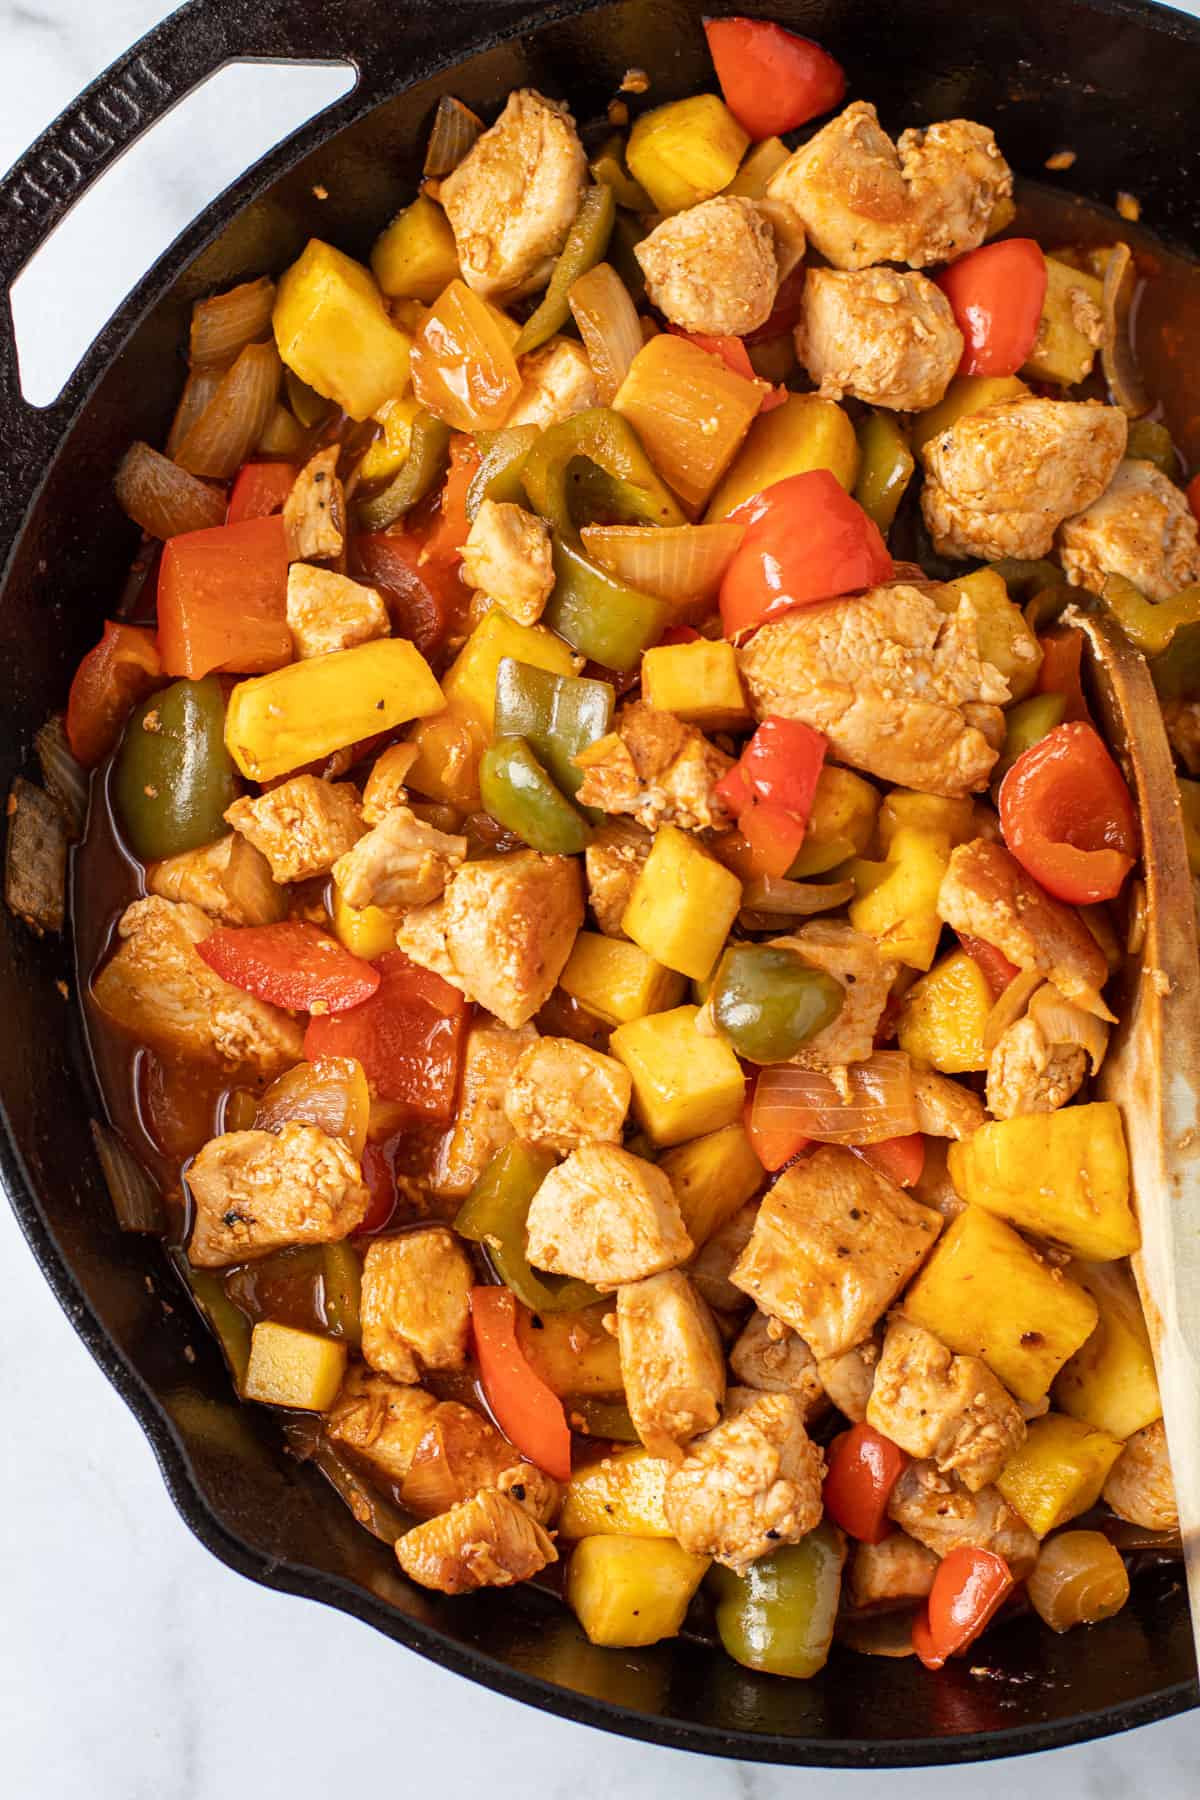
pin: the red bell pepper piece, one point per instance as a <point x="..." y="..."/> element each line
<point x="1062" y="671"/>
<point x="997" y="293"/>
<point x="447" y="535"/>
<point x="733" y="353"/>
<point x="774" y="1145"/>
<point x="786" y="312"/>
<point x="222" y="600"/>
<point x="260" y="489"/>
<point x="408" y="1037"/>
<point x="110" y="681"/>
<point x="901" y="1159"/>
<point x="1193" y="494"/>
<point x="968" y="1590"/>
<point x="770" y="789"/>
<point x="772" y="80"/>
<point x="529" y="1413"/>
<point x="806" y="540"/>
<point x="864" y="1467"/>
<point x="380" y="1179"/>
<point x="291" y="964"/>
<point x="1068" y="817"/>
<point x="997" y="970"/>
<point x="680" y="634"/>
<point x="421" y="594"/>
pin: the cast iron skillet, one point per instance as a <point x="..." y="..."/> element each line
<point x="1114" y="79"/>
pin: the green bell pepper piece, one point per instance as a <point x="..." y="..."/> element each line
<point x="1176" y="670"/>
<point x="885" y="467"/>
<point x="1039" y="587"/>
<point x="227" y="1322"/>
<point x="604" y="438"/>
<point x="424" y="469"/>
<point x="1150" y="441"/>
<point x="602" y="1418"/>
<point x="341" y="1292"/>
<point x="502" y="462"/>
<point x="557" y="715"/>
<point x="604" y="620"/>
<point x="174" y="778"/>
<point x="586" y="243"/>
<point x="628" y="232"/>
<point x="1150" y="625"/>
<point x="1025" y="725"/>
<point x="519" y="795"/>
<point x="494" y="1215"/>
<point x="1189" y="806"/>
<point x="608" y="166"/>
<point x="779" y="1616"/>
<point x="768" y="1002"/>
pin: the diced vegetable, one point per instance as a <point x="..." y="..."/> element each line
<point x="604" y="620"/>
<point x="608" y="167"/>
<point x="617" y="980"/>
<point x="1149" y="440"/>
<point x="875" y="1103"/>
<point x="228" y="1322"/>
<point x="1111" y="1382"/>
<point x="682" y="563"/>
<point x="1005" y="639"/>
<point x="331" y="1092"/>
<point x="698" y="682"/>
<point x="408" y="1037"/>
<point x="463" y="367"/>
<point x="110" y="680"/>
<point x="901" y="1159"/>
<point x="767" y="1002"/>
<point x="997" y="971"/>
<point x="1026" y="724"/>
<point x="864" y="1467"/>
<point x="1058" y="1472"/>
<point x="422" y="469"/>
<point x="621" y="1496"/>
<point x="366" y="931"/>
<point x="260" y="490"/>
<point x="571" y="1350"/>
<point x="997" y="293"/>
<point x="806" y="540"/>
<point x="290" y="964"/>
<point x="945" y="1013"/>
<point x="930" y="813"/>
<point x="224" y="324"/>
<point x="759" y="164"/>
<point x="885" y="469"/>
<point x="293" y="1368"/>
<point x="519" y="794"/>
<point x="712" y="1176"/>
<point x="499" y="477"/>
<point x="689" y="410"/>
<point x="557" y="715"/>
<point x="163" y="498"/>
<point x="623" y="479"/>
<point x="173" y="778"/>
<point x="770" y="791"/>
<point x="686" y="151"/>
<point x="682" y="905"/>
<point x="1068" y="816"/>
<point x="333" y="331"/>
<point x="415" y="257"/>
<point x="235" y="418"/>
<point x="803" y="434"/>
<point x="1062" y="350"/>
<point x="608" y="324"/>
<point x="897" y="899"/>
<point x="772" y="80"/>
<point x="684" y="1084"/>
<point x="1079" y="1580"/>
<point x="136" y="1198"/>
<point x="455" y="129"/>
<point x="222" y="600"/>
<point x="970" y="1586"/>
<point x="627" y="1592"/>
<point x="779" y="1616"/>
<point x="840" y="824"/>
<point x="494" y="1215"/>
<point x="526" y="1410"/>
<point x="966" y="394"/>
<point x="586" y="243"/>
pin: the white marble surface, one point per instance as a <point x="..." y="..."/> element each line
<point x="131" y="1663"/>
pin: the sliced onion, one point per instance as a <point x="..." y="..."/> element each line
<point x="236" y="416"/>
<point x="330" y="1092"/>
<point x="774" y="897"/>
<point x="455" y="128"/>
<point x="878" y="1634"/>
<point x="35" y="857"/>
<point x="674" y="562"/>
<point x="135" y="1197"/>
<point x="163" y="498"/>
<point x="1011" y="1006"/>
<point x="66" y="780"/>
<point x="198" y="391"/>
<point x="1116" y="349"/>
<point x="1063" y="1023"/>
<point x="882" y="1103"/>
<point x="283" y="437"/>
<point x="608" y="324"/>
<point x="223" y="325"/>
<point x="369" y="1508"/>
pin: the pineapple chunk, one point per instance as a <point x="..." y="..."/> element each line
<point x="682" y="905"/>
<point x="333" y="331"/>
<point x="294" y="1368"/>
<point x="684" y="1084"/>
<point x="761" y="163"/>
<point x="966" y="394"/>
<point x="713" y="1176"/>
<point x="897" y="899"/>
<point x="1058" y="1471"/>
<point x="303" y="713"/>
<point x="571" y="1351"/>
<point x="804" y="433"/>
<point x="366" y="931"/>
<point x="1061" y="351"/>
<point x="698" y="682"/>
<point x="840" y="824"/>
<point x="617" y="981"/>
<point x="1062" y="1175"/>
<point x="985" y="1293"/>
<point x="415" y="257"/>
<point x="627" y="1592"/>
<point x="686" y="151"/>
<point x="691" y="412"/>
<point x="1005" y="639"/>
<point x="1111" y="1382"/>
<point x="944" y="1016"/>
<point x="620" y="1496"/>
<point x="928" y="813"/>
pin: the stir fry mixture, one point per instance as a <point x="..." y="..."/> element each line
<point x="628" y="867"/>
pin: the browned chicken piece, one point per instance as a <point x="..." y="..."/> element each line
<point x="656" y="768"/>
<point x="950" y="1408"/>
<point x="945" y="1108"/>
<point x="933" y="1186"/>
<point x="853" y="959"/>
<point x="606" y="1217"/>
<point x="833" y="1244"/>
<point x="770" y="1357"/>
<point x="513" y="198"/>
<point x="481" y="1126"/>
<point x="942" y="1513"/>
<point x="1139" y="1486"/>
<point x="898" y="686"/>
<point x="884" y="336"/>
<point x="402" y="861"/>
<point x="1182" y="720"/>
<point x="314" y="513"/>
<point x="488" y="1541"/>
<point x="507" y="557"/>
<point x="1028" y="1074"/>
<point x="258" y="1191"/>
<point x="672" y="1361"/>
<point x="327" y="611"/>
<point x="384" y="787"/>
<point x="614" y="858"/>
<point x="985" y="893"/>
<point x="713" y="1263"/>
<point x="380" y="1421"/>
<point x="458" y="1454"/>
<point x="502" y="931"/>
<point x="891" y="1574"/>
<point x="1000" y="482"/>
<point x="556" y="383"/>
<point x="1141" y="527"/>
<point x="713" y="268"/>
<point x="230" y="880"/>
<point x="749" y="1485"/>
<point x="302" y="826"/>
<point x="862" y="199"/>
<point x="158" y="986"/>
<point x="849" y="1378"/>
<point x="416" y="1303"/>
<point x="562" y="1095"/>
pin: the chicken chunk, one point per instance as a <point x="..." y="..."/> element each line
<point x="985" y="893"/>
<point x="750" y="1484"/>
<point x="614" y="858"/>
<point x="402" y="861"/>
<point x="556" y="382"/>
<point x="230" y="880"/>
<point x="302" y="826"/>
<point x="513" y="198"/>
<point x="562" y="1095"/>
<point x="950" y="1408"/>
<point x="157" y="986"/>
<point x="771" y="1358"/>
<point x="380" y="1421"/>
<point x="1139" y="1486"/>
<point x="416" y="1303"/>
<point x="327" y="611"/>
<point x="502" y="931"/>
<point x="883" y="336"/>
<point x="833" y="1244"/>
<point x="481" y="1127"/>
<point x="1000" y="482"/>
<point x="257" y="1191"/>
<point x="898" y="686"/>
<point x="863" y="199"/>
<point x="1141" y="527"/>
<point x="1028" y="1074"/>
<point x="384" y="788"/>
<point x="891" y="1574"/>
<point x="314" y="513"/>
<point x="507" y="557"/>
<point x="713" y="268"/>
<point x="714" y="1262"/>
<point x="849" y="1377"/>
<point x="488" y="1541"/>
<point x="866" y="977"/>
<point x="606" y="1217"/>
<point x="672" y="1361"/>
<point x="945" y="1108"/>
<point x="656" y="768"/>
<point x="942" y="1513"/>
<point x="458" y="1454"/>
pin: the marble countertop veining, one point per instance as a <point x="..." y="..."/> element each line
<point x="120" y="1634"/>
